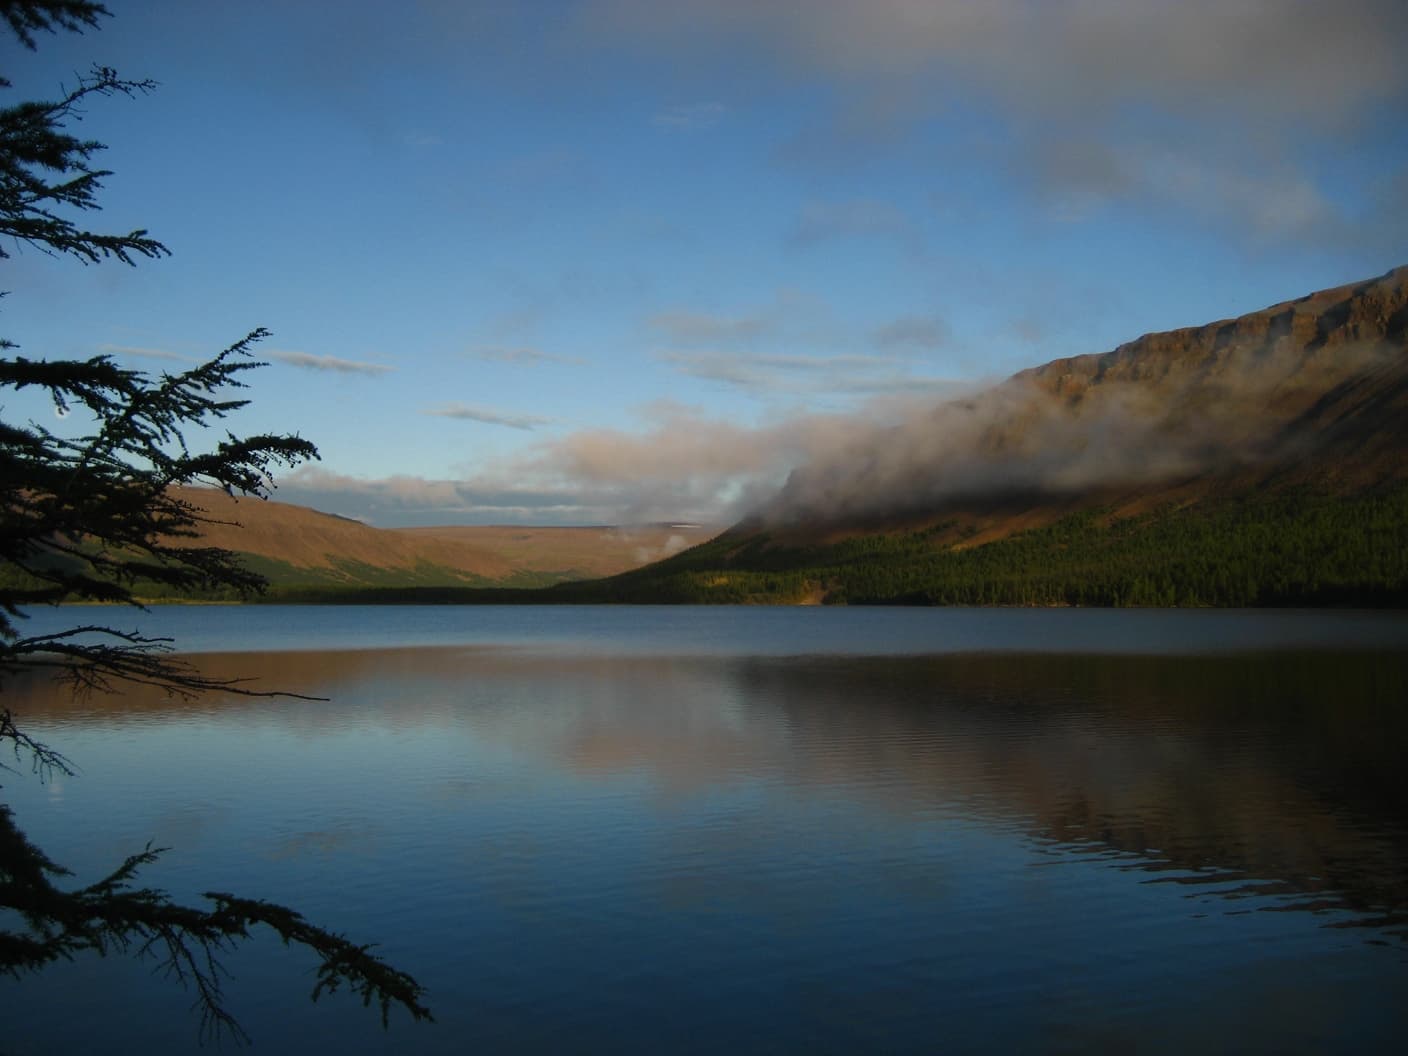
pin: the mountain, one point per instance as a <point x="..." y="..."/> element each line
<point x="299" y="548"/>
<point x="1256" y="460"/>
<point x="1261" y="460"/>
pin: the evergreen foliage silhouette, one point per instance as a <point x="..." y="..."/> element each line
<point x="91" y="516"/>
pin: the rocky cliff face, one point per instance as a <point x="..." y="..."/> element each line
<point x="1285" y="383"/>
<point x="1308" y="338"/>
<point x="1311" y="391"/>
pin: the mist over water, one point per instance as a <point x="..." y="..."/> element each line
<point x="630" y="838"/>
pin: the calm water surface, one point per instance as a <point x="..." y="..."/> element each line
<point x="764" y="830"/>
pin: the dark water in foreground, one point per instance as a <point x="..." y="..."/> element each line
<point x="647" y="830"/>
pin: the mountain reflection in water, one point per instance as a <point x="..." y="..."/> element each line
<point x="777" y="788"/>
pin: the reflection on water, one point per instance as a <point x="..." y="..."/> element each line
<point x="586" y="851"/>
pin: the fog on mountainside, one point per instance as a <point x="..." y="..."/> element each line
<point x="1315" y="385"/>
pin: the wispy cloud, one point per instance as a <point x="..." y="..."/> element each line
<point x="783" y="373"/>
<point x="146" y="353"/>
<point x="1244" y="97"/>
<point x="690" y="117"/>
<point x="487" y="416"/>
<point x="309" y="361"/>
<point x="523" y="356"/>
<point x="789" y="315"/>
<point x="794" y="344"/>
<point x="1278" y="59"/>
<point x="1269" y="200"/>
<point x="408" y="500"/>
<point x="856" y="218"/>
<point x="685" y="327"/>
<point x="912" y="332"/>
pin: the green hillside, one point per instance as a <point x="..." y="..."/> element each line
<point x="1296" y="547"/>
<point x="1291" y="549"/>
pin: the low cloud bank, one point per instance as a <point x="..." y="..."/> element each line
<point x="1063" y="429"/>
<point x="682" y="466"/>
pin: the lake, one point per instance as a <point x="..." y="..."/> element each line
<point x="630" y="829"/>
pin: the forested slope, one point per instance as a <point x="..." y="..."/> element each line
<point x="1293" y="548"/>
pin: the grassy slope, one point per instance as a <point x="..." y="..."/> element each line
<point x="1294" y="547"/>
<point x="293" y="546"/>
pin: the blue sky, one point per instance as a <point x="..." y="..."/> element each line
<point x="617" y="260"/>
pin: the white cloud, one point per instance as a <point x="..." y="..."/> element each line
<point x="1206" y="108"/>
<point x="690" y="117"/>
<point x="856" y="218"/>
<point x="683" y="466"/>
<point x="1269" y="200"/>
<point x="680" y="466"/>
<point x="912" y="332"/>
<point x="794" y="344"/>
<point x="1282" y="60"/>
<point x="787" y="314"/>
<point x="309" y="361"/>
<point x="685" y="327"/>
<point x="523" y="356"/>
<point x="794" y="374"/>
<point x="487" y="416"/>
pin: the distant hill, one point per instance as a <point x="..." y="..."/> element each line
<point x="1251" y="461"/>
<point x="297" y="547"/>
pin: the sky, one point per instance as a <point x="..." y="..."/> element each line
<point x="615" y="261"/>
